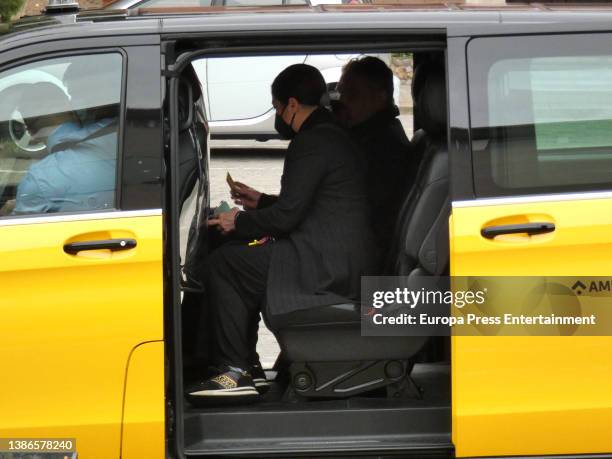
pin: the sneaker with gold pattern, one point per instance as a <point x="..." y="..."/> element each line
<point x="228" y="383"/>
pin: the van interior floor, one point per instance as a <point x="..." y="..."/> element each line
<point x="365" y="424"/>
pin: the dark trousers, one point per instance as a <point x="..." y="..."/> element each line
<point x="236" y="280"/>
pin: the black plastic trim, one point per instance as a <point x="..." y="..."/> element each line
<point x="459" y="145"/>
<point x="141" y="173"/>
<point x="231" y="45"/>
<point x="172" y="292"/>
<point x="419" y="453"/>
<point x="534" y="228"/>
<point x="111" y="244"/>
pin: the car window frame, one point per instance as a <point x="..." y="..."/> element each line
<point x="34" y="58"/>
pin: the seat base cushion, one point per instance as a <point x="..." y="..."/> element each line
<point x="333" y="334"/>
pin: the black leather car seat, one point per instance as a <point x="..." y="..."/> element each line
<point x="420" y="245"/>
<point x="327" y="355"/>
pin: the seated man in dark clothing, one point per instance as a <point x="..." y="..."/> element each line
<point x="314" y="239"/>
<point x="366" y="107"/>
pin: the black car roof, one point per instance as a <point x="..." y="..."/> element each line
<point x="448" y="18"/>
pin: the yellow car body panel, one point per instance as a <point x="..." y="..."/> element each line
<point x="143" y="417"/>
<point x="70" y="323"/>
<point x="532" y="395"/>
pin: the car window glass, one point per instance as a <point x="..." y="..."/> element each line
<point x="541" y="123"/>
<point x="572" y="102"/>
<point x="239" y="87"/>
<point x="59" y="122"/>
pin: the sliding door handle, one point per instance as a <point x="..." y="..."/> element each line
<point x="110" y="244"/>
<point x="529" y="228"/>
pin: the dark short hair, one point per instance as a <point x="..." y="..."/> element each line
<point x="374" y="70"/>
<point x="300" y="81"/>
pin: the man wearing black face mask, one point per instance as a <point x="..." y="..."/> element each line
<point x="314" y="237"/>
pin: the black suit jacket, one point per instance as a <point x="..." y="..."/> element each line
<point x="391" y="165"/>
<point x="320" y="221"/>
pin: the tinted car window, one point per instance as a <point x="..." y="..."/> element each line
<point x="541" y="114"/>
<point x="59" y="123"/>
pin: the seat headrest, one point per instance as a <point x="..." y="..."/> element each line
<point x="429" y="92"/>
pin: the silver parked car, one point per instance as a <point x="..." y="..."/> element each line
<point x="238" y="88"/>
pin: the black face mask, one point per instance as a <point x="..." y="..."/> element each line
<point x="285" y="130"/>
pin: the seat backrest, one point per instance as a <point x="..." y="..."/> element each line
<point x="421" y="234"/>
<point x="192" y="150"/>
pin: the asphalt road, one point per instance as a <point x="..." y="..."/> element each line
<point x="261" y="171"/>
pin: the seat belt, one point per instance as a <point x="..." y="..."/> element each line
<point x="112" y="127"/>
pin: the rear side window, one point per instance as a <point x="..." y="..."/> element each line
<point x="541" y="114"/>
<point x="59" y="125"/>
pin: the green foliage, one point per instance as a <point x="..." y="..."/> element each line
<point x="404" y="55"/>
<point x="8" y="8"/>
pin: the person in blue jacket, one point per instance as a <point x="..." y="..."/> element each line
<point x="78" y="174"/>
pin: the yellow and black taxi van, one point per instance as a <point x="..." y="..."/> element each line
<point x="97" y="288"/>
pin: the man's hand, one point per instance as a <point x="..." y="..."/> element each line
<point x="245" y="196"/>
<point x="225" y="221"/>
